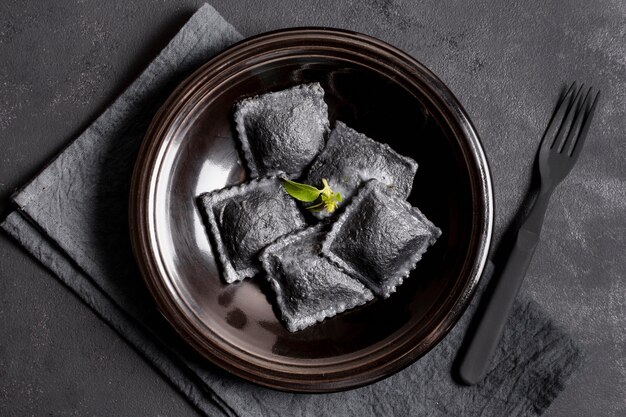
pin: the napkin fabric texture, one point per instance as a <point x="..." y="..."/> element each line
<point x="73" y="218"/>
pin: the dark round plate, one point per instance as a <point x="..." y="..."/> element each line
<point x="190" y="149"/>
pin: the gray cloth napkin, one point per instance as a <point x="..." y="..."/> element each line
<point x="73" y="218"/>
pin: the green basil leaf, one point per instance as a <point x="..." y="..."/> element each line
<point x="301" y="192"/>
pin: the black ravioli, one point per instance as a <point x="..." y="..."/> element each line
<point x="379" y="238"/>
<point x="282" y="131"/>
<point x="309" y="288"/>
<point x="245" y="218"/>
<point x="350" y="158"/>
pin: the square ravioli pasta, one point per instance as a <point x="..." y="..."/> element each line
<point x="309" y="288"/>
<point x="282" y="131"/>
<point x="379" y="238"/>
<point x="351" y="158"/>
<point x="244" y="219"/>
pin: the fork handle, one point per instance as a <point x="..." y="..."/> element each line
<point x="475" y="362"/>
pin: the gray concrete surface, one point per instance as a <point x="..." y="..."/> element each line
<point x="62" y="62"/>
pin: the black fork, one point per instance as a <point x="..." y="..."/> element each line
<point x="558" y="152"/>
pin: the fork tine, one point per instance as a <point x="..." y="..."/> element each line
<point x="567" y="121"/>
<point x="580" y="140"/>
<point x="578" y="109"/>
<point x="557" y="117"/>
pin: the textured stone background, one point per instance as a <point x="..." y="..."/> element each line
<point x="63" y="62"/>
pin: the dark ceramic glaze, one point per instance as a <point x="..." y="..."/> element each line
<point x="189" y="149"/>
